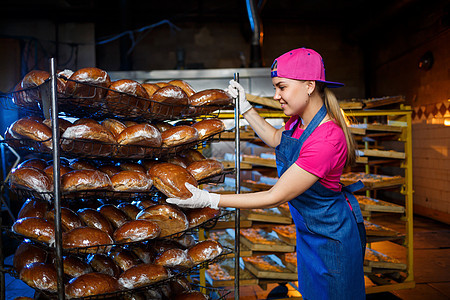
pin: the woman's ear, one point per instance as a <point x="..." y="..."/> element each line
<point x="310" y="86"/>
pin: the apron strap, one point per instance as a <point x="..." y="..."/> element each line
<point x="349" y="190"/>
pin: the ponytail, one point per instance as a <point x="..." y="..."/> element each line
<point x="337" y="115"/>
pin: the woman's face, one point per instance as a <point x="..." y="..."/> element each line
<point x="292" y="95"/>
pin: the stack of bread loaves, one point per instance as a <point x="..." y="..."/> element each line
<point x="90" y="90"/>
<point x="125" y="148"/>
<point x="111" y="137"/>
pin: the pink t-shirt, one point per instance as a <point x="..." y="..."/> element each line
<point x="324" y="153"/>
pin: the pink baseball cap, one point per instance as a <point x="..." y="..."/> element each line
<point x="301" y="64"/>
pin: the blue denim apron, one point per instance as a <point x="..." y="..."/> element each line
<point x="331" y="238"/>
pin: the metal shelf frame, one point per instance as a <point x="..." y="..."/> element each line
<point x="50" y="108"/>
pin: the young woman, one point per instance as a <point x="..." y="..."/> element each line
<point x="311" y="152"/>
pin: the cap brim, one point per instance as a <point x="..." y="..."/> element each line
<point x="331" y="84"/>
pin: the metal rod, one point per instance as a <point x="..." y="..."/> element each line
<point x="237" y="165"/>
<point x="2" y="271"/>
<point x="56" y="181"/>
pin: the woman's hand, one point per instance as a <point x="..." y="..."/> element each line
<point x="235" y="90"/>
<point x="200" y="198"/>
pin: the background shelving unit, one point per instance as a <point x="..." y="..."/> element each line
<point x="392" y="124"/>
<point x="396" y="127"/>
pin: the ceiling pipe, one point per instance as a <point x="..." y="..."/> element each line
<point x="257" y="35"/>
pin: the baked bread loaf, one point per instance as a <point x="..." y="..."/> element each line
<point x="191" y="155"/>
<point x="129" y="209"/>
<point x="145" y="252"/>
<point x="139" y="135"/>
<point x="69" y="219"/>
<point x="104" y="264"/>
<point x="32" y="97"/>
<point x="40" y="276"/>
<point x="127" y="98"/>
<point x="114" y="215"/>
<point x="208" y="127"/>
<point x="141" y="275"/>
<point x="174" y="258"/>
<point x="63" y="124"/>
<point x="162" y="84"/>
<point x="186" y="240"/>
<point x="12" y="139"/>
<point x="82" y="237"/>
<point x="85" y="121"/>
<point x="109" y="170"/>
<point x="205" y="250"/>
<point x="61" y="82"/>
<point x="205" y="168"/>
<point x="90" y="86"/>
<point x="210" y="97"/>
<point x="199" y="216"/>
<point x="136" y="230"/>
<point x="131" y="181"/>
<point x="143" y="204"/>
<point x="33" y="130"/>
<point x="161" y="245"/>
<point x="35" y="228"/>
<point x="129" y="123"/>
<point x="169" y="218"/>
<point x="34" y="78"/>
<point x="132" y="166"/>
<point x="31" y="178"/>
<point x="113" y="125"/>
<point x="82" y="164"/>
<point x="92" y="218"/>
<point x="89" y="138"/>
<point x="177" y="160"/>
<point x="168" y="101"/>
<point x="162" y="126"/>
<point x="179" y="135"/>
<point x="62" y="170"/>
<point x="148" y="163"/>
<point x="82" y="180"/>
<point x="91" y="284"/>
<point x="186" y="87"/>
<point x="170" y="179"/>
<point x="75" y="267"/>
<point x="124" y="258"/>
<point x="33" y="209"/>
<point x="150" y="88"/>
<point x="26" y="254"/>
<point x="191" y="295"/>
<point x="179" y="285"/>
<point x="37" y="163"/>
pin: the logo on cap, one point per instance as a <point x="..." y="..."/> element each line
<point x="273" y="68"/>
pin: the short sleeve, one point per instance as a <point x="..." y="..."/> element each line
<point x="318" y="158"/>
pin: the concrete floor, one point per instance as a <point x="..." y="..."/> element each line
<point x="431" y="265"/>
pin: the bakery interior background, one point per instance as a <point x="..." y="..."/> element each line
<point x="377" y="48"/>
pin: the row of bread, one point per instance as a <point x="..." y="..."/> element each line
<point x="144" y="137"/>
<point x="108" y="224"/>
<point x="169" y="176"/>
<point x="120" y="269"/>
<point x="94" y="88"/>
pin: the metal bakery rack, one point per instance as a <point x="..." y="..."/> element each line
<point x="51" y="104"/>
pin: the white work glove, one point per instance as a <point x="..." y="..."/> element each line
<point x="200" y="198"/>
<point x="235" y="90"/>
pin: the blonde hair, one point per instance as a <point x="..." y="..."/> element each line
<point x="336" y="113"/>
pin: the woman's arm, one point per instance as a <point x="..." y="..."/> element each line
<point x="292" y="183"/>
<point x="266" y="132"/>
